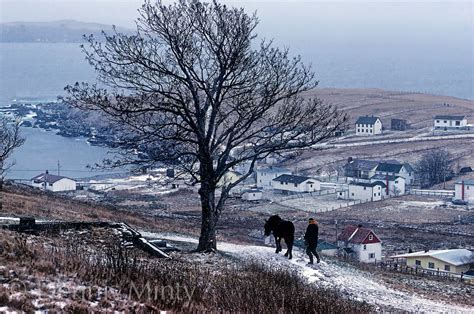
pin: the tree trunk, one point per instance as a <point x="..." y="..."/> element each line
<point x="1" y="193"/>
<point x="210" y="216"/>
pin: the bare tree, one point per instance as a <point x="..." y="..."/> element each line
<point x="193" y="88"/>
<point x="434" y="167"/>
<point x="10" y="139"/>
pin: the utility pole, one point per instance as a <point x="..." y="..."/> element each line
<point x="335" y="224"/>
<point x="59" y="167"/>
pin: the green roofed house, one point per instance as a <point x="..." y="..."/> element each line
<point x="327" y="248"/>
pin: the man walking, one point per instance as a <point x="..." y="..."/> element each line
<point x="311" y="240"/>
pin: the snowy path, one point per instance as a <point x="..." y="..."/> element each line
<point x="351" y="281"/>
<point x="395" y="141"/>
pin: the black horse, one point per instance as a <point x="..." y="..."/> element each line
<point x="281" y="229"/>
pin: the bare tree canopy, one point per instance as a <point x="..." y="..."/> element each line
<point x="194" y="88"/>
<point x="10" y="139"/>
<point x="434" y="167"/>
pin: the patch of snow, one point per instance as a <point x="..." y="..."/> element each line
<point x="359" y="285"/>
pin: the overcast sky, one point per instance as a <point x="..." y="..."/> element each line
<point x="123" y="12"/>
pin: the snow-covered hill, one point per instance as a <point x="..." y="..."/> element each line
<point x="331" y="274"/>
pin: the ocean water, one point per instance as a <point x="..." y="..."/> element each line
<point x="44" y="149"/>
<point x="407" y="46"/>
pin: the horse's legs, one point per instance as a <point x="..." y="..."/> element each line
<point x="289" y="245"/>
<point x="278" y="244"/>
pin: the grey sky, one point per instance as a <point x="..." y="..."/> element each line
<point x="123" y="12"/>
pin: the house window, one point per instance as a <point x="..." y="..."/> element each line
<point x="365" y="247"/>
<point x="296" y="185"/>
<point x="417" y="262"/>
<point x="379" y="193"/>
<point x="370" y="131"/>
<point x="458" y="122"/>
<point x="352" y="194"/>
<point x="445" y="121"/>
<point x="371" y="237"/>
<point x="375" y="194"/>
<point x="372" y="255"/>
<point x="447" y="268"/>
<point x="437" y="121"/>
<point x="358" y="130"/>
<point x="365" y="188"/>
<point x="431" y="265"/>
<point x="467" y="188"/>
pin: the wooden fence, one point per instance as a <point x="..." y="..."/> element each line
<point x="420" y="271"/>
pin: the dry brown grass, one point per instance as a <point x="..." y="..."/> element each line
<point x="220" y="285"/>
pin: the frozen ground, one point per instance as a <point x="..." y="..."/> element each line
<point x="331" y="274"/>
<point x="316" y="204"/>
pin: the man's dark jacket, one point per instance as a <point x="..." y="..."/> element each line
<point x="311" y="235"/>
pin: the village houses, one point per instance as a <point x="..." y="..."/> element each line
<point x="368" y="126"/>
<point x="454" y="261"/>
<point x="290" y="184"/>
<point x="357" y="169"/>
<point x="405" y="171"/>
<point x="360" y="243"/>
<point x="449" y="122"/>
<point x="265" y="176"/>
<point x="53" y="183"/>
<point x="464" y="191"/>
<point x="394" y="185"/>
<point x="363" y="191"/>
<point x="360" y="168"/>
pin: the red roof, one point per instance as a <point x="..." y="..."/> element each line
<point x="358" y="235"/>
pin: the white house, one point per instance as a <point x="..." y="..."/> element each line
<point x="364" y="191"/>
<point x="360" y="243"/>
<point x="394" y="185"/>
<point x="464" y="190"/>
<point x="405" y="171"/>
<point x="252" y="195"/>
<point x="449" y="122"/>
<point x="368" y="126"/>
<point x="265" y="176"/>
<point x="454" y="260"/>
<point x="46" y="181"/>
<point x="287" y="183"/>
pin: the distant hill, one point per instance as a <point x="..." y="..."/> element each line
<point x="63" y="31"/>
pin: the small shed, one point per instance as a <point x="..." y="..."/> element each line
<point x="398" y="124"/>
<point x="252" y="195"/>
<point x="327" y="248"/>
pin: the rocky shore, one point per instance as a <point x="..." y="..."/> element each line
<point x="63" y="119"/>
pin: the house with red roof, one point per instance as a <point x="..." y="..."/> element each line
<point x="360" y="243"/>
